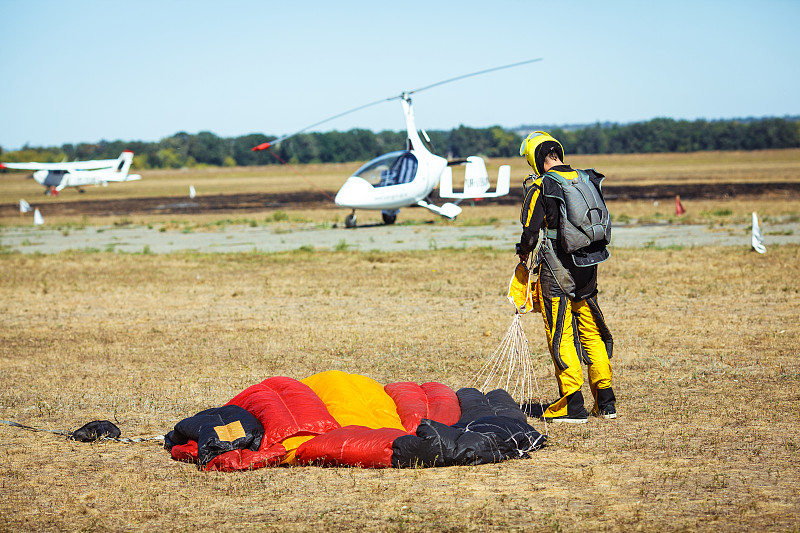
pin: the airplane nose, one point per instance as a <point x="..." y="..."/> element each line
<point x="354" y="193"/>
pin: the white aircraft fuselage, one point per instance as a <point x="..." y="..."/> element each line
<point x="55" y="177"/>
<point x="358" y="193"/>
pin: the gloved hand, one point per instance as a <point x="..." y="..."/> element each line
<point x="523" y="256"/>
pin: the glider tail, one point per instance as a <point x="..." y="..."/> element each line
<point x="123" y="166"/>
<point x="124" y="163"/>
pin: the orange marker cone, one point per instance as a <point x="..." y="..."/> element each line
<point x="679" y="210"/>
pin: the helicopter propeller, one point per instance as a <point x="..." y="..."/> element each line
<point x="405" y="95"/>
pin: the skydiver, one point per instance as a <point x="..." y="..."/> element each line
<point x="566" y="292"/>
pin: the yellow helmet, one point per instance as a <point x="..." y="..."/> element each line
<point x="536" y="147"/>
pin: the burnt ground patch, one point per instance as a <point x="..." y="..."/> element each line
<point x="319" y="200"/>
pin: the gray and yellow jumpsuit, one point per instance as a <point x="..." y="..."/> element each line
<point x="576" y="329"/>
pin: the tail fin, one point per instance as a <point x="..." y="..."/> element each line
<point x="476" y="181"/>
<point x="124" y="163"/>
<point x="503" y="180"/>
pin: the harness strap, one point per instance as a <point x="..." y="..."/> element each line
<point x="562" y="276"/>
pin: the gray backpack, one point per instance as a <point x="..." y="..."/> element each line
<point x="584" y="219"/>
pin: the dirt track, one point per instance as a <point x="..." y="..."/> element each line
<point x="317" y="199"/>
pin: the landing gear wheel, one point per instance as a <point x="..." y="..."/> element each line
<point x="389" y="218"/>
<point x="350" y="220"/>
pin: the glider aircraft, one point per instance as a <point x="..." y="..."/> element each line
<point x="55" y="177"/>
<point x="407" y="178"/>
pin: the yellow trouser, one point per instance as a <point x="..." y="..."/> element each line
<point x="575" y="330"/>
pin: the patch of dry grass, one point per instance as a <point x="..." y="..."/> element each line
<point x="706" y="373"/>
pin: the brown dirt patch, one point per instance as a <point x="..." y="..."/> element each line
<point x="317" y="200"/>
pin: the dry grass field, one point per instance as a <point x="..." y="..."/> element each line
<point x="705" y="367"/>
<point x="706" y="373"/>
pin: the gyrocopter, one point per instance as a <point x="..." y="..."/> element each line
<point x="407" y="177"/>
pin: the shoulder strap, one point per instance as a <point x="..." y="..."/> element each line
<point x="555" y="177"/>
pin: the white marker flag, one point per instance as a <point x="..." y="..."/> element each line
<point x="24" y="206"/>
<point x="756" y="239"/>
<point x="37" y="218"/>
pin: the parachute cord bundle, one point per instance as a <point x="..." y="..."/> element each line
<point x="510" y="366"/>
<point x="70" y="434"/>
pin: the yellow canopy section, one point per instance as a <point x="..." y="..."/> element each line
<point x="355" y="400"/>
<point x="519" y="289"/>
<point x="291" y="444"/>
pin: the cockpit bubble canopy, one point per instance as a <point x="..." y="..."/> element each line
<point x="393" y="168"/>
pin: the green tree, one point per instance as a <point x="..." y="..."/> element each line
<point x="140" y="161"/>
<point x="302" y="148"/>
<point x="504" y="143"/>
<point x="205" y="147"/>
<point x="168" y="158"/>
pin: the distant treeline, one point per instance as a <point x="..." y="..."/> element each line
<point x="205" y="148"/>
<point x="667" y="135"/>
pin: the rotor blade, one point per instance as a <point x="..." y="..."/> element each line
<point x="474" y="74"/>
<point x="403" y="95"/>
<point x="266" y="145"/>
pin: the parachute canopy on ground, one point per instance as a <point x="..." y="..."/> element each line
<point x="335" y="418"/>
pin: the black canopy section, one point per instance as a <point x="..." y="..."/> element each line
<point x="216" y="431"/>
<point x="492" y="428"/>
<point x="503" y="404"/>
<point x="475" y="405"/>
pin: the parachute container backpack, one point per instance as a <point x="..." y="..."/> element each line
<point x="585" y="223"/>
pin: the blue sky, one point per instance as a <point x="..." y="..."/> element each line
<point x="83" y="71"/>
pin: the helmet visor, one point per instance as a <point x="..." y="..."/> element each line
<point x="524" y="145"/>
